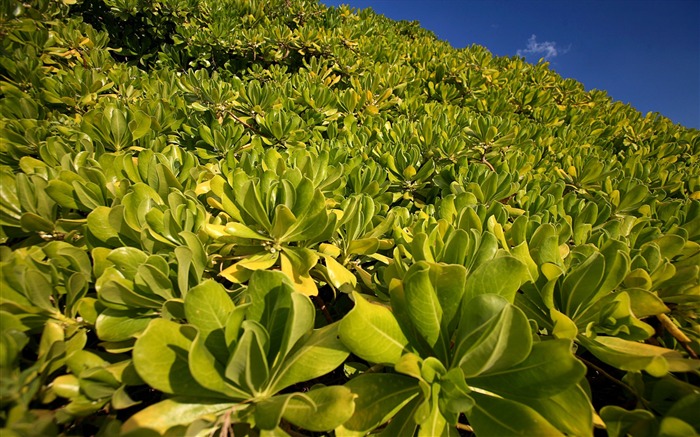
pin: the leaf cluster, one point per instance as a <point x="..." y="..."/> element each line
<point x="250" y="217"/>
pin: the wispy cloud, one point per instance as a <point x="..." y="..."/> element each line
<point x="547" y="49"/>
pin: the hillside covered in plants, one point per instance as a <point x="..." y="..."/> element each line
<point x="269" y="217"/>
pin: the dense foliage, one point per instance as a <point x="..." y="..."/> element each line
<point x="264" y="217"/>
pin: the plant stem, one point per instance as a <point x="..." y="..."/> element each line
<point x="324" y="308"/>
<point x="672" y="329"/>
<point x="464" y="427"/>
<point x="488" y="164"/>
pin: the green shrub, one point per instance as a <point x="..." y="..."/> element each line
<point x="249" y="217"/>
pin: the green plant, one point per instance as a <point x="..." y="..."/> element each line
<point x="271" y="217"/>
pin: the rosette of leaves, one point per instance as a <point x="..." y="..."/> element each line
<point x="114" y="127"/>
<point x="273" y="219"/>
<point x="460" y="346"/>
<point x="134" y="287"/>
<point x="360" y="238"/>
<point x="489" y="136"/>
<point x="369" y="178"/>
<point x="93" y="382"/>
<point x="409" y="174"/>
<point x="592" y="297"/>
<point x="27" y="384"/>
<point x="670" y="408"/>
<point x="226" y="367"/>
<point x="144" y="220"/>
<point x="41" y="283"/>
<point x="45" y="299"/>
<point x="25" y="208"/>
<point x="283" y="128"/>
<point x="163" y="171"/>
<point x="485" y="185"/>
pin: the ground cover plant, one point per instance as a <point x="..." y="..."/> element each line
<point x="247" y="217"/>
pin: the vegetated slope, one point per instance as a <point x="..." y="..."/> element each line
<point x="275" y="217"/>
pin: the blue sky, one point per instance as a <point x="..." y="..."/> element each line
<point x="642" y="52"/>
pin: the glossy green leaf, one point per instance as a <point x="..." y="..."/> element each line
<point x="339" y="275"/>
<point x="159" y="418"/>
<point x="434" y="424"/>
<point x="318" y="354"/>
<point x="379" y="397"/>
<point x="371" y="332"/>
<point x="493" y="336"/>
<point x="422" y="303"/>
<point x="247" y="366"/>
<point x="502" y="276"/>
<point x="207" y="307"/>
<point x="323" y="409"/>
<point x="161" y="359"/>
<point x="493" y="416"/>
<point x="116" y="325"/>
<point x="209" y="371"/>
<point x="549" y="369"/>
<point x="286" y="315"/>
<point x="581" y="286"/>
<point x="636" y="356"/>
<point x="621" y="422"/>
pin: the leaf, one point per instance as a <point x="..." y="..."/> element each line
<point x="564" y="327"/>
<point x="62" y="193"/>
<point x="207" y="306"/>
<point x="569" y="411"/>
<point x="617" y="265"/>
<point x="242" y="231"/>
<point x="403" y="422"/>
<point x="268" y="412"/>
<point x="318" y="355"/>
<point x="118" y="125"/>
<point x="161" y="359"/>
<point x="645" y="303"/>
<point x="549" y="369"/>
<point x="434" y="424"/>
<point x="117" y="325"/>
<point x="286" y="315"/>
<point x="127" y="260"/>
<point x="620" y="422"/>
<point x="499" y="417"/>
<point x="449" y="284"/>
<point x="686" y="408"/>
<point x="341" y="278"/>
<point x="324" y="409"/>
<point x="247" y="366"/>
<point x="150" y="280"/>
<point x="170" y="413"/>
<point x="251" y="202"/>
<point x="242" y="270"/>
<point x="493" y="335"/>
<point x="379" y="397"/>
<point x="38" y="290"/>
<point x="580" y="287"/>
<point x="502" y="276"/>
<point x="296" y="263"/>
<point x="33" y="223"/>
<point x="99" y="226"/>
<point x="208" y="371"/>
<point x="363" y="246"/>
<point x="674" y="427"/>
<point x="371" y="332"/>
<point x="282" y="223"/>
<point x="422" y="302"/>
<point x="634" y="356"/>
<point x="140" y="125"/>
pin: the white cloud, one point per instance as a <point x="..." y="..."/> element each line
<point x="548" y="49"/>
